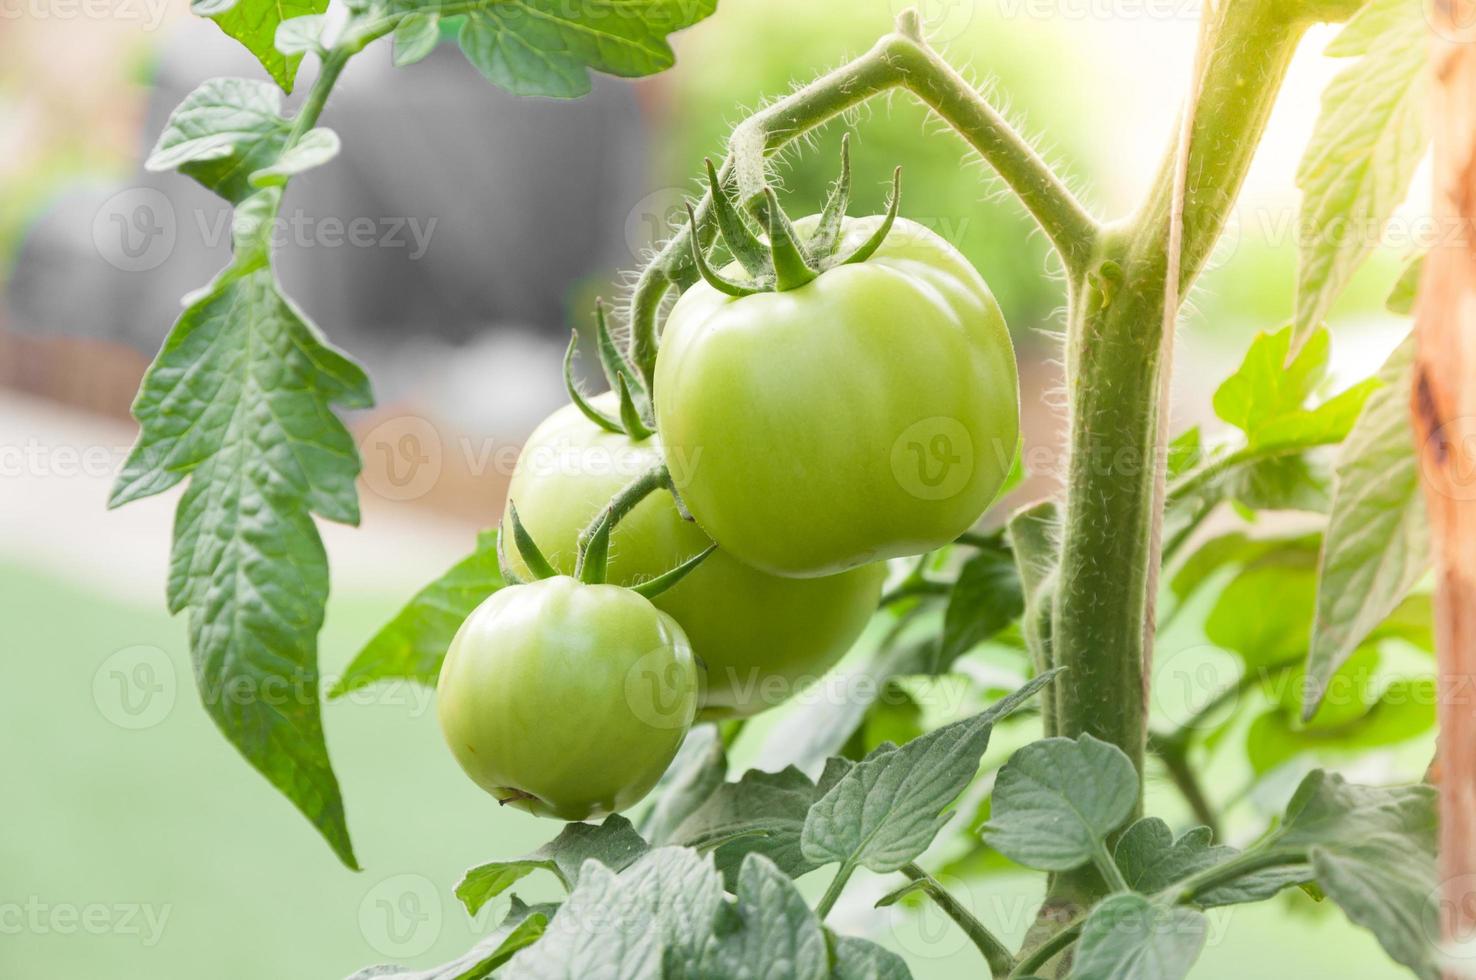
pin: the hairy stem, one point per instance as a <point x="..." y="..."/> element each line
<point x="1116" y="342"/>
<point x="833" y="893"/>
<point x="995" y="953"/>
<point x="901" y="59"/>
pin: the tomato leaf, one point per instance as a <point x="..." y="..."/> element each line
<point x="1151" y="859"/>
<point x="412" y="645"/>
<point x="1279" y="586"/>
<point x="1127" y="937"/>
<point x="222" y="133"/>
<point x="1377" y="544"/>
<point x="254" y="23"/>
<point x="1368" y="140"/>
<point x="522" y="926"/>
<point x="653" y="919"/>
<point x="886" y="810"/>
<point x="1056" y="801"/>
<point x="770" y="808"/>
<point x="416" y="37"/>
<point x="240" y="400"/>
<point x="614" y="844"/>
<point x="861" y="959"/>
<point x="1372" y="851"/>
<point x="700" y="767"/>
<point x="547" y="47"/>
<point x="986" y="597"/>
<point x="1404" y="709"/>
<point x="315" y="148"/>
<point x="769" y="932"/>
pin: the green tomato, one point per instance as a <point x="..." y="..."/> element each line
<point x="871" y="413"/>
<point x="567" y="700"/>
<point x="760" y="637"/>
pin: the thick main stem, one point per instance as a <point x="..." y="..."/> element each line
<point x="1116" y="339"/>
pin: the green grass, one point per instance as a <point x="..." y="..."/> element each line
<point x="102" y="822"/>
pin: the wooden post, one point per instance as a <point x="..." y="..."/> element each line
<point x="1443" y="402"/>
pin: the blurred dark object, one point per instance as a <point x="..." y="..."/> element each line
<point x="457" y="217"/>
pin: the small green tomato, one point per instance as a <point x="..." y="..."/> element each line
<point x="565" y="699"/>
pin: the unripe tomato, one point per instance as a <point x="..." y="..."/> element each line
<point x="871" y="413"/>
<point x="760" y="637"/>
<point x="567" y="700"/>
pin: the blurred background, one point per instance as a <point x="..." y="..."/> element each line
<point x="450" y="249"/>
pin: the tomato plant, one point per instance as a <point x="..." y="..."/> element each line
<point x="760" y="637"/>
<point x="805" y="439"/>
<point x="790" y="402"/>
<point x="567" y="700"/>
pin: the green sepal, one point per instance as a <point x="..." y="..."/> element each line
<point x="706" y="271"/>
<point x="613" y="359"/>
<point x="596" y="416"/>
<point x="791" y="271"/>
<point x="630" y="415"/>
<point x="826" y="239"/>
<point x="869" y="247"/>
<point x="651" y="588"/>
<point x="738" y="234"/>
<point x="594" y="556"/>
<point x="509" y="574"/>
<point x="527" y="547"/>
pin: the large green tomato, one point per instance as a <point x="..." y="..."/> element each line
<point x="567" y="700"/>
<point x="871" y="413"/>
<point x="760" y="637"/>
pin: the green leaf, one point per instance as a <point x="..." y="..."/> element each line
<point x="694" y="775"/>
<point x="1364" y="149"/>
<point x="1401" y="299"/>
<point x="240" y="400"/>
<point x="771" y="807"/>
<point x="522" y="927"/>
<point x="1127" y="937"/>
<point x="254" y="23"/>
<point x="771" y="933"/>
<point x="886" y="810"/>
<point x="986" y="598"/>
<point x="416" y="37"/>
<point x="1377" y="543"/>
<point x="1373" y="853"/>
<point x="301" y="35"/>
<point x="1056" y="801"/>
<point x="1264" y="614"/>
<point x="412" y="645"/>
<point x="860" y="959"/>
<point x="315" y="148"/>
<point x="614" y="844"/>
<point x="1404" y="709"/>
<point x="547" y="47"/>
<point x="1151" y="859"/>
<point x="648" y="921"/>
<point x="222" y="133"/>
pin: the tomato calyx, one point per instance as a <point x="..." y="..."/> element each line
<point x="592" y="564"/>
<point x="783" y="261"/>
<point x="623" y="378"/>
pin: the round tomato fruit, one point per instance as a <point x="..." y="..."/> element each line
<point x="759" y="637"/>
<point x="565" y="699"/>
<point x="871" y="413"/>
